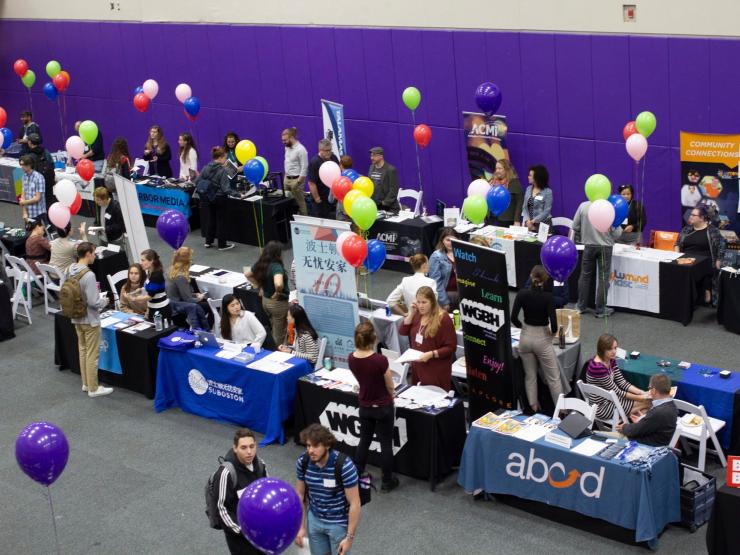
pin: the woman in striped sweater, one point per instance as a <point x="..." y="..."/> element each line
<point x="603" y="372"/>
<point x="306" y="339"/>
<point x="155" y="285"/>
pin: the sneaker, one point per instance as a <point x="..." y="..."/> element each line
<point x="387" y="487"/>
<point x="227" y="247"/>
<point x="84" y="388"/>
<point x="607" y="312"/>
<point x="100" y="391"/>
<point x="207" y="245"/>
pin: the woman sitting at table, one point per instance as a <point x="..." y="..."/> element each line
<point x="442" y="270"/>
<point x="505" y="175"/>
<point x="636" y="218"/>
<point x="158" y="153"/>
<point x="269" y="274"/>
<point x="430" y="330"/>
<point x="537" y="206"/>
<point x="405" y="292"/>
<point x="306" y="339"/>
<point x="155" y="285"/>
<point x="37" y="245"/>
<point x="188" y="156"/>
<point x="181" y="295"/>
<point x="240" y="325"/>
<point x="64" y="249"/>
<point x="133" y="297"/>
<point x="602" y="371"/>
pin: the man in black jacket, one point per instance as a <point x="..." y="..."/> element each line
<point x="659" y="423"/>
<point x="109" y="217"/>
<point x="29" y="127"/>
<point x="248" y="467"/>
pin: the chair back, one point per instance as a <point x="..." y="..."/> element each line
<point x="663" y="240"/>
<point x="578" y="405"/>
<point x="412" y="194"/>
<point x="116" y="282"/>
<point x="561" y="221"/>
<point x="400" y="371"/>
<point x="320" y="358"/>
<point x="215" y="306"/>
<point x="590" y="391"/>
<point x="52" y="276"/>
<point x="24" y="269"/>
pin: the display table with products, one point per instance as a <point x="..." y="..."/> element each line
<point x="728" y="302"/>
<point x="403" y="239"/>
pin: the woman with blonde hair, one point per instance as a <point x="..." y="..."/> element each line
<point x="505" y="175"/>
<point x="158" y="153"/>
<point x="182" y="297"/>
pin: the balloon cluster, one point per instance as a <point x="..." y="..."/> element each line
<point x="7" y="134"/>
<point x="482" y="198"/>
<point x="68" y="203"/>
<point x="144" y="94"/>
<point x="28" y="77"/>
<point x="190" y="103"/>
<point x="636" y="133"/>
<point x="255" y="167"/>
<point x="606" y="210"/>
<point x="411" y="97"/>
<point x="75" y="146"/>
<point x="59" y="80"/>
<point x="357" y="252"/>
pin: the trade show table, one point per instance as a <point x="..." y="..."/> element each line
<point x="723" y="532"/>
<point x="405" y="238"/>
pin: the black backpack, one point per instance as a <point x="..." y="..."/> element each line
<point x="214" y="520"/>
<point x="365" y="483"/>
<point x="206" y="188"/>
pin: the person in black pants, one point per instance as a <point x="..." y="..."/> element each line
<point x="320" y="190"/>
<point x="377" y="412"/>
<point x="213" y="202"/>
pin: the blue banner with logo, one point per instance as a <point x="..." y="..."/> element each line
<point x="334" y="129"/>
<point x="108" y="359"/>
<point x="155" y="200"/>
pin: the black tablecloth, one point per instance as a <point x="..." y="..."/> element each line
<point x="404" y="239"/>
<point x="110" y="263"/>
<point x="728" y="307"/>
<point x="431" y="443"/>
<point x="16" y="245"/>
<point x="243" y="218"/>
<point x="252" y="302"/>
<point x="7" y="328"/>
<point x="723" y="530"/>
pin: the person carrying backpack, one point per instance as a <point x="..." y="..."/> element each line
<point x="44" y="164"/>
<point x="213" y="188"/>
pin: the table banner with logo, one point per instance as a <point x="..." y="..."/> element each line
<point x="199" y="382"/>
<point x="155" y="200"/>
<point x="485" y="318"/>
<point x="634" y="283"/>
<point x="404" y="239"/>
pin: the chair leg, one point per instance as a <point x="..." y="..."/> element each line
<point x="718" y="447"/>
<point x="702" y="453"/>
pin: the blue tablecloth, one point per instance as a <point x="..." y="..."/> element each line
<point x="200" y="383"/>
<point x="644" y="500"/>
<point x="109" y="359"/>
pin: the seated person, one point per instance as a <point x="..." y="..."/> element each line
<point x="240" y="325"/>
<point x="659" y="423"/>
<point x="64" y="248"/>
<point x="37" y="245"/>
<point x="181" y="295"/>
<point x="133" y="298"/>
<point x="306" y="339"/>
<point x="406" y="291"/>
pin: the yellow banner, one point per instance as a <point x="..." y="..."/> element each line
<point x="710" y="149"/>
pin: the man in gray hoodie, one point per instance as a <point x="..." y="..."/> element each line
<point x="597" y="252"/>
<point x="88" y="327"/>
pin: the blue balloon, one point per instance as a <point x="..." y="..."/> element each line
<point x="138" y="90"/>
<point x="352" y="174"/>
<point x="621" y="209"/>
<point x="7" y="136"/>
<point x="498" y="199"/>
<point x="375" y="256"/>
<point x="192" y="106"/>
<point x="51" y="91"/>
<point x="253" y="169"/>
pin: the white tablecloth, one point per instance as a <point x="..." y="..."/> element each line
<point x="218" y="286"/>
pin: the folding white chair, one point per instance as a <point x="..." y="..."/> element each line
<point x="592" y="392"/>
<point x="215" y="306"/>
<point x="53" y="280"/>
<point x="399" y="371"/>
<point x="141" y="163"/>
<point x="701" y="433"/>
<point x="320" y="358"/>
<point x="578" y="405"/>
<point x="564" y="222"/>
<point x="114" y="280"/>
<point x="24" y="279"/>
<point x="411" y="193"/>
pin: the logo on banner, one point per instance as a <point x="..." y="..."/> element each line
<point x="630" y="281"/>
<point x="387" y="236"/>
<point x="344" y="422"/>
<point x="104" y="345"/>
<point x="197" y="382"/>
<point x="482" y="315"/>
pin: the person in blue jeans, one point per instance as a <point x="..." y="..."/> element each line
<point x="333" y="509"/>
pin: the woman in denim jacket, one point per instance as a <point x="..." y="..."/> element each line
<point x="442" y="270"/>
<point x="537" y="206"/>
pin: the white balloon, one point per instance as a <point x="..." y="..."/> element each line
<point x="601" y="215"/>
<point x="75" y="147"/>
<point x="151" y="88"/>
<point x="183" y="92"/>
<point x="479" y="187"/>
<point x="328" y="172"/>
<point x="66" y="192"/>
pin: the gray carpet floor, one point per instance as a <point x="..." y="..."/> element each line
<point x="134" y="481"/>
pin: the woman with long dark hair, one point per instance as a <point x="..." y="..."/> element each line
<point x="119" y="159"/>
<point x="155" y="285"/>
<point x="537" y="205"/>
<point x="306" y="339"/>
<point x="240" y="325"/>
<point x="269" y="274"/>
<point x="158" y="153"/>
<point x="188" y="156"/>
<point x="442" y="270"/>
<point x="636" y="218"/>
<point x="133" y="297"/>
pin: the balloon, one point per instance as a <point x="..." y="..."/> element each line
<point x="629" y="129"/>
<point x="190" y="118"/>
<point x="598" y="187"/>
<point x="265" y="167"/>
<point x="621" y="209"/>
<point x="75" y="146"/>
<point x="341" y="186"/>
<point x="50" y="91"/>
<point x="364" y="212"/>
<point x="349" y="200"/>
<point x="475" y="209"/>
<point x="342" y="238"/>
<point x="20" y="67"/>
<point x="88" y="131"/>
<point x="7" y="137"/>
<point x="3" y="117"/>
<point x="29" y="78"/>
<point x="141" y="102"/>
<point x="411" y="98"/>
<point x="270" y="514"/>
<point x="76" y="205"/>
<point x="150" y="88"/>
<point x="354" y="250"/>
<point x="66" y="77"/>
<point x="52" y="68"/>
<point x="66" y="192"/>
<point x="59" y="214"/>
<point x="559" y="256"/>
<point x="478" y="188"/>
<point x="192" y="106"/>
<point x="172" y="227"/>
<point x="645" y="123"/>
<point x="352" y="174"/>
<point x="364" y="185"/>
<point x="375" y="255"/>
<point x="183" y="92"/>
<point x="498" y="199"/>
<point x="245" y="150"/>
<point x="254" y="171"/>
<point x="422" y="135"/>
<point x="138" y="90"/>
<point x="601" y="215"/>
<point x="636" y="146"/>
<point x="42" y="450"/>
<point x="61" y="81"/>
<point x="329" y="171"/>
<point x="488" y="97"/>
<point x="86" y="169"/>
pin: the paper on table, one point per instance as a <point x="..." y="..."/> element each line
<point x="271" y="366"/>
<point x="228" y="355"/>
<point x="342" y="375"/>
<point x="589" y="447"/>
<point x="422" y="395"/>
<point x="531" y="433"/>
<point x="278" y="356"/>
<point x="196" y="268"/>
<point x="409" y="355"/>
<point x="621" y="353"/>
<point x="109" y="321"/>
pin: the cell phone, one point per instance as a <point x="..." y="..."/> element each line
<point x="220" y="273"/>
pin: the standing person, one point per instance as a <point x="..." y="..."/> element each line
<point x="345" y="163"/>
<point x="188" y="156"/>
<point x="64" y="249"/>
<point x="377" y="413"/>
<point x="43" y="164"/>
<point x="505" y="175"/>
<point x="537" y="205"/>
<point x="535" y="345"/>
<point x="636" y="220"/>
<point x="29" y="127"/>
<point x="269" y="274"/>
<point x="240" y="325"/>
<point x="296" y="167"/>
<point x="213" y="202"/>
<point x="158" y="153"/>
<point x="442" y="270"/>
<point x="333" y="512"/>
<point x="155" y="285"/>
<point x="37" y="245"/>
<point x="88" y="326"/>
<point x="385" y="179"/>
<point x="248" y="467"/>
<point x="94" y="152"/>
<point x="182" y="298"/>
<point x="430" y="330"/>
<point x="108" y="216"/>
<point x="318" y="189"/>
<point x="597" y="257"/>
<point x="406" y="290"/>
<point x="133" y="296"/>
<point x="231" y="139"/>
<point x="119" y="161"/>
<point x="701" y="237"/>
<point x="306" y="339"/>
<point x="33" y="197"/>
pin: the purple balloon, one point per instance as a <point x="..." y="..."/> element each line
<point x="559" y="257"/>
<point x="270" y="514"/>
<point x="41" y="450"/>
<point x="173" y="228"/>
<point x="488" y="97"/>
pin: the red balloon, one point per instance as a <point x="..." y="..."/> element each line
<point x="191" y="118"/>
<point x="422" y="135"/>
<point x="629" y="130"/>
<point x="3" y="117"/>
<point x="67" y="77"/>
<point x="61" y="82"/>
<point x="86" y="169"/>
<point x="77" y="204"/>
<point x="341" y="186"/>
<point x="141" y="102"/>
<point x="354" y="250"/>
<point x="20" y="67"/>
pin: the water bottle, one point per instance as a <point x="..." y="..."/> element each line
<point x="387" y="311"/>
<point x="456" y="318"/>
<point x="561" y="337"/>
<point x="158" y="321"/>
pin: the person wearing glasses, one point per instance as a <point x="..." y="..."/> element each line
<point x="33" y="199"/>
<point x="658" y="424"/>
<point x="318" y="189"/>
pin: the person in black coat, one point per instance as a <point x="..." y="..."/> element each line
<point x="213" y="185"/>
<point x="659" y="423"/>
<point x="158" y="153"/>
<point x="108" y="215"/>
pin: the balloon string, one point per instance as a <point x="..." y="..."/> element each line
<point x="53" y="520"/>
<point x="605" y="277"/>
<point x="256" y="225"/>
<point x="64" y="103"/>
<point x="61" y="122"/>
<point x="642" y="191"/>
<point x="30" y="100"/>
<point x="416" y="146"/>
<point x="262" y="220"/>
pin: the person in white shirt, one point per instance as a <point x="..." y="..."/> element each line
<point x="406" y="290"/>
<point x="64" y="248"/>
<point x="239" y="325"/>
<point x="296" y="167"/>
<point x="188" y="156"/>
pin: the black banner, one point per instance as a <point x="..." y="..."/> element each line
<point x="484" y="314"/>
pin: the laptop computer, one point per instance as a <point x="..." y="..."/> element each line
<point x="207" y="338"/>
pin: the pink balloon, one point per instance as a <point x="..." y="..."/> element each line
<point x="636" y="146"/>
<point x="601" y="215"/>
<point x="329" y="172"/>
<point x="75" y="146"/>
<point x="342" y="238"/>
<point x="183" y="92"/>
<point x="479" y="188"/>
<point x="151" y="88"/>
<point x="59" y="215"/>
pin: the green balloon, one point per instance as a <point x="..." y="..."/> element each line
<point x="475" y="209"/>
<point x="264" y="165"/>
<point x="411" y="98"/>
<point x="598" y="187"/>
<point x="52" y="68"/>
<point x="364" y="212"/>
<point x="88" y="131"/>
<point x="645" y="123"/>
<point x="29" y="78"/>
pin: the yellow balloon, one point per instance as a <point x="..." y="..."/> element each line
<point x="245" y="150"/>
<point x="364" y="184"/>
<point x="350" y="198"/>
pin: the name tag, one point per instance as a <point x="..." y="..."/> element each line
<point x="107" y="216"/>
<point x="419" y="338"/>
<point x="330" y="483"/>
<point x="538" y="197"/>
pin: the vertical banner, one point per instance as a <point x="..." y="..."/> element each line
<point x="484" y="314"/>
<point x="128" y="198"/>
<point x="334" y="130"/>
<point x="485" y="141"/>
<point x="326" y="284"/>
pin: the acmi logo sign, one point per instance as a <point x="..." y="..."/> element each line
<point x="482" y="315"/>
<point x="387" y="237"/>
<point x="344" y="421"/>
<point x="554" y="474"/>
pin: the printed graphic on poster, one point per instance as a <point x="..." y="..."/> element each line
<point x="154" y="200"/>
<point x="11" y="182"/>
<point x="484" y="314"/>
<point x="485" y="140"/>
<point x="326" y="288"/>
<point x="334" y="129"/>
<point x="709" y="177"/>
